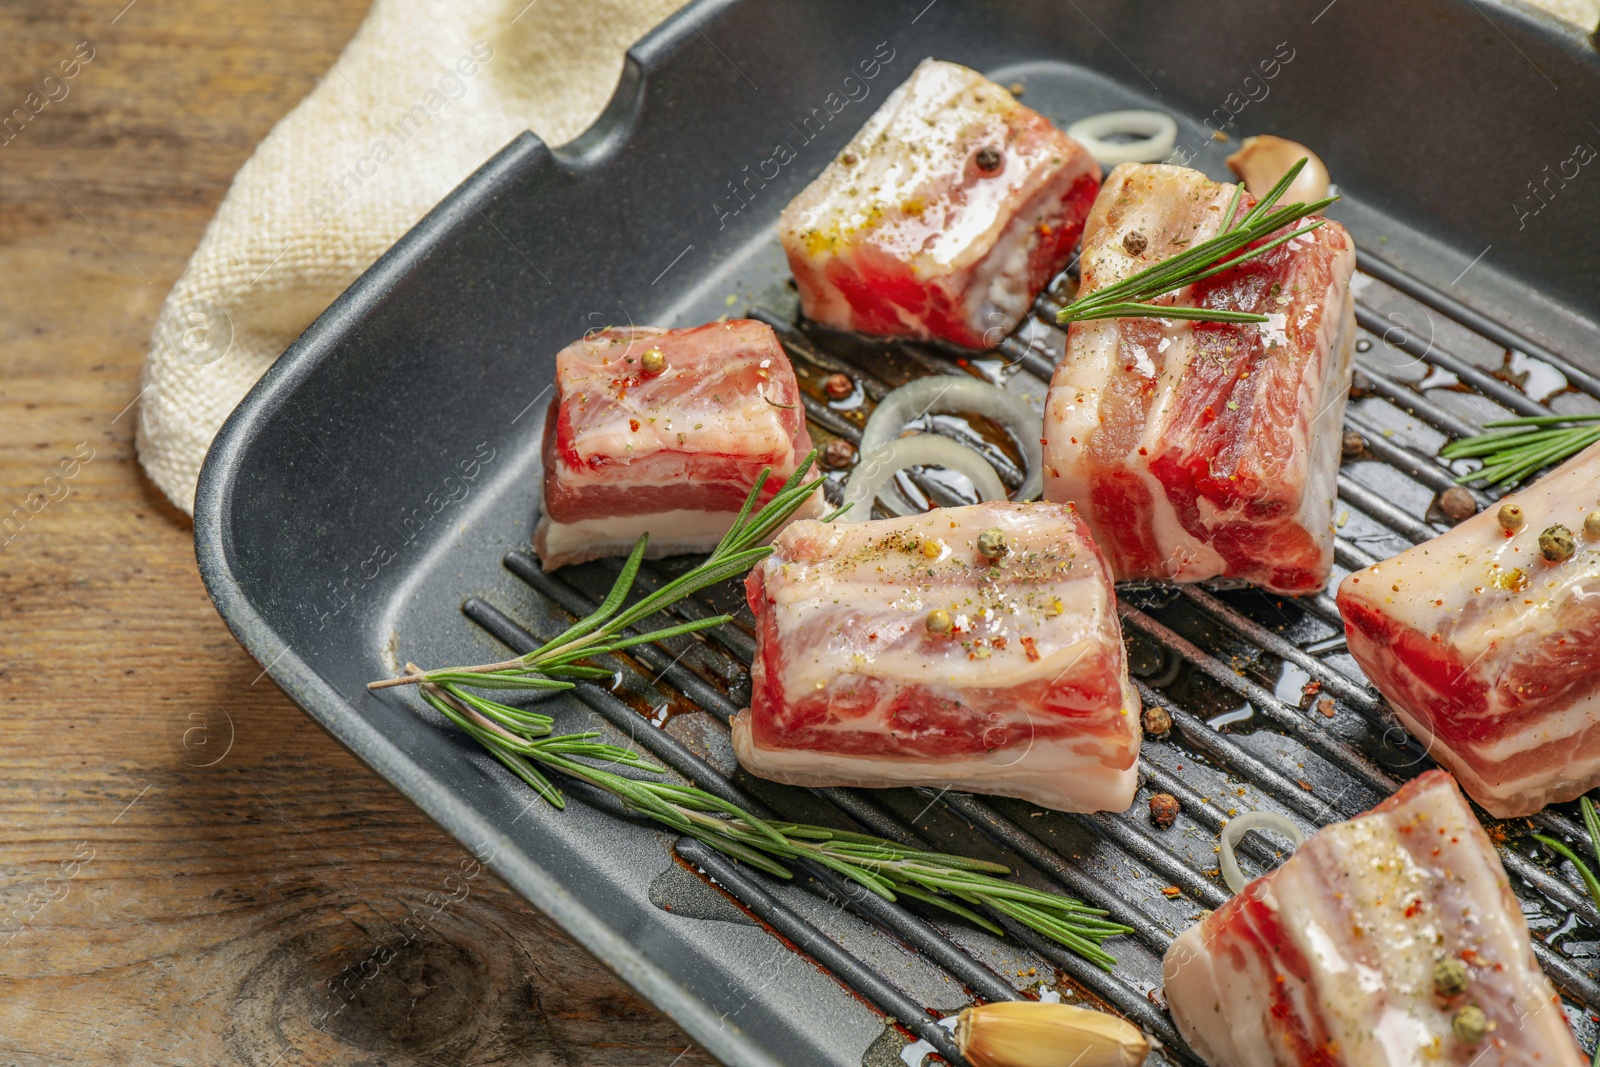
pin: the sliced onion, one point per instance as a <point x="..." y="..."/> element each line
<point x="944" y="394"/>
<point x="875" y="468"/>
<point x="1237" y="828"/>
<point x="1156" y="133"/>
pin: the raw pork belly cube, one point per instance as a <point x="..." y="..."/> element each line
<point x="1489" y="653"/>
<point x="673" y="452"/>
<point x="1329" y="960"/>
<point x="1026" y="695"/>
<point x="1204" y="450"/>
<point x="944" y="217"/>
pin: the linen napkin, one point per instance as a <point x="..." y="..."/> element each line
<point x="424" y="93"/>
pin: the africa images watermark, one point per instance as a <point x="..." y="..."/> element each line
<point x="854" y="91"/>
<point x="453" y="489"/>
<point x="56" y="487"/>
<point x="1544" y="194"/>
<point x="339" y="191"/>
<point x="52" y="90"/>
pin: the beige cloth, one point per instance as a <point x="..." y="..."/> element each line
<point x="423" y="94"/>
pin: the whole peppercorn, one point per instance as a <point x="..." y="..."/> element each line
<point x="1449" y="977"/>
<point x="988" y="159"/>
<point x="1471" y="1024"/>
<point x="1134" y="242"/>
<point x="839" y="454"/>
<point x="1591" y="525"/>
<point x="1163" y="809"/>
<point x="1510" y="518"/>
<point x="939" y="622"/>
<point x="654" y="361"/>
<point x="992" y="543"/>
<point x="1157" y="720"/>
<point x="1352" y="444"/>
<point x="1556" y="544"/>
<point x="1457" y="503"/>
<point x="838" y="386"/>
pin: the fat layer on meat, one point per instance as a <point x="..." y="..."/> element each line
<point x="1329" y="960"/>
<point x="673" y="452"/>
<point x="944" y="217"/>
<point x="1026" y="695"/>
<point x="1201" y="450"/>
<point x="1490" y="653"/>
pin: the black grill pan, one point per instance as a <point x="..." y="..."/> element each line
<point x="372" y="499"/>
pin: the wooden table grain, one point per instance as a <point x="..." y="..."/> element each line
<point x="190" y="871"/>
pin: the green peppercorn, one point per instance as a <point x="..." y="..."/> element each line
<point x="1556" y="544"/>
<point x="1450" y="977"/>
<point x="1471" y="1024"/>
<point x="1511" y="518"/>
<point x="992" y="543"/>
<point x="654" y="361"/>
<point x="939" y="622"/>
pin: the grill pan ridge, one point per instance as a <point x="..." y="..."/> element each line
<point x="1269" y="711"/>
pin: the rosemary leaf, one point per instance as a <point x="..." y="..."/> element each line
<point x="1135" y="296"/>
<point x="521" y="740"/>
<point x="1512" y="449"/>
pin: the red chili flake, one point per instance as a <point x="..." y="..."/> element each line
<point x="633" y="424"/>
<point x="999" y="642"/>
<point x="1208" y="415"/>
<point x="872" y="637"/>
<point x="1144" y="452"/>
<point x="1305" y="785"/>
<point x="1325" y="705"/>
<point x="1028" y="647"/>
<point x="1412" y="909"/>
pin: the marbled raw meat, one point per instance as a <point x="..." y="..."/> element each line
<point x="673" y="453"/>
<point x="1489" y="653"/>
<point x="1329" y="960"/>
<point x="944" y="217"/>
<point x="1027" y="696"/>
<point x="1204" y="450"/>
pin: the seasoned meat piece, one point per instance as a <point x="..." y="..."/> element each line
<point x="1391" y="940"/>
<point x="1488" y="651"/>
<point x="1201" y="449"/>
<point x="664" y="431"/>
<point x="944" y="217"/>
<point x="901" y="651"/>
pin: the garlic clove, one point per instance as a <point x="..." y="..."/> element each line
<point x="1261" y="161"/>
<point x="1027" y="1033"/>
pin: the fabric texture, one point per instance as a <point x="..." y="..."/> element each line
<point x="424" y="93"/>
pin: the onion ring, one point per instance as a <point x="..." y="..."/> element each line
<point x="920" y="450"/>
<point x="1237" y="828"/>
<point x="944" y="394"/>
<point x="1157" y="133"/>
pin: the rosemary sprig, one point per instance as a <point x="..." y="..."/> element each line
<point x="953" y="883"/>
<point x="1591" y="821"/>
<point x="553" y="664"/>
<point x="522" y="741"/>
<point x="1515" y="448"/>
<point x="1132" y="297"/>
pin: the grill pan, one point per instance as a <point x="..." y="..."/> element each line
<point x="371" y="500"/>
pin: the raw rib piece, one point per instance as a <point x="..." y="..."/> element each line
<point x="1205" y="450"/>
<point x="944" y="217"/>
<point x="1027" y="696"/>
<point x="673" y="453"/>
<point x="1329" y="960"/>
<point x="1490" y="654"/>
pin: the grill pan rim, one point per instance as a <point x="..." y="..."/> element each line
<point x="215" y="548"/>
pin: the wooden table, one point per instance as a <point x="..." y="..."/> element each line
<point x="190" y="871"/>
